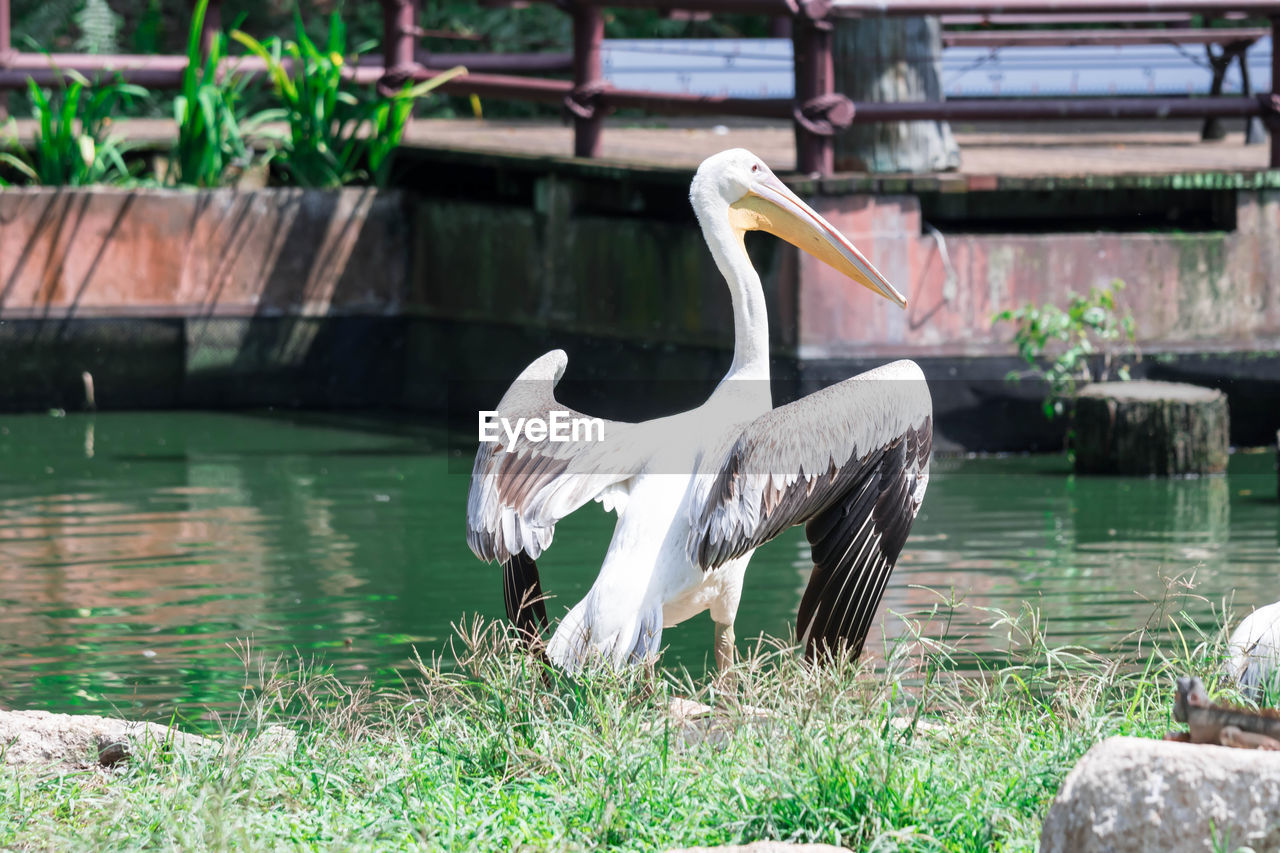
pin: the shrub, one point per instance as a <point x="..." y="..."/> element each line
<point x="1057" y="344"/>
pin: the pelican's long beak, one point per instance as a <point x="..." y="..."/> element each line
<point x="770" y="206"/>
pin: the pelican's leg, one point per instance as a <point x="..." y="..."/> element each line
<point x="724" y="645"/>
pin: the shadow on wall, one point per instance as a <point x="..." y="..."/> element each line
<point x="220" y="297"/>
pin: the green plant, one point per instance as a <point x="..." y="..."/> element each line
<point x="1057" y="344"/>
<point x="337" y="133"/>
<point x="212" y="121"/>
<point x="72" y="145"/>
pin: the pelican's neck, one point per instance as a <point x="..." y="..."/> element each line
<point x="750" y="319"/>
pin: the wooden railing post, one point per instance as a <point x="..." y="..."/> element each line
<point x="1273" y="126"/>
<point x="5" y="38"/>
<point x="399" y="34"/>
<point x="211" y="27"/>
<point x="820" y="112"/>
<point x="588" y="80"/>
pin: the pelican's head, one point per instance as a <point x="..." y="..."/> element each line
<point x="757" y="201"/>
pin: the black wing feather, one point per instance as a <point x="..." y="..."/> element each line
<point x="856" y="542"/>
<point x="522" y="595"/>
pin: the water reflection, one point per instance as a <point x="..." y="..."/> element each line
<point x="136" y="550"/>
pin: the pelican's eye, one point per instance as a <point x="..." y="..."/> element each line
<point x="755" y="167"/>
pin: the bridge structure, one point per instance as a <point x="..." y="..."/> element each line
<point x="816" y="109"/>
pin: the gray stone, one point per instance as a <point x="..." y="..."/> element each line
<point x="43" y="739"/>
<point x="1133" y="794"/>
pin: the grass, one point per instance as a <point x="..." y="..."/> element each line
<point x="486" y="749"/>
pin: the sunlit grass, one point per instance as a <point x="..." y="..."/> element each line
<point x="494" y="751"/>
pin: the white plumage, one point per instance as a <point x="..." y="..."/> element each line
<point x="1254" y="652"/>
<point x="697" y="492"/>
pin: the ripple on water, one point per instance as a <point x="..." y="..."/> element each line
<point x="133" y="576"/>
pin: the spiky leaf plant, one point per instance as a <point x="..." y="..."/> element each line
<point x="72" y="145"/>
<point x="338" y="133"/>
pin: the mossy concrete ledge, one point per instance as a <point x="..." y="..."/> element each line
<point x="1162" y="429"/>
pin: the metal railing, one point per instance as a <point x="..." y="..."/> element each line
<point x="817" y="110"/>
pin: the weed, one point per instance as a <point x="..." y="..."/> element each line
<point x="1057" y="344"/>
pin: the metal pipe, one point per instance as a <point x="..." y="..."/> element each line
<point x="537" y="89"/>
<point x="547" y="63"/>
<point x="745" y="7"/>
<point x="1271" y="119"/>
<point x="588" y="79"/>
<point x="5" y="37"/>
<point x="683" y="104"/>
<point x="1121" y="18"/>
<point x="857" y="8"/>
<point x="166" y="71"/>
<point x="514" y="63"/>
<point x="951" y="7"/>
<point x="1051" y="109"/>
<point x="1068" y="38"/>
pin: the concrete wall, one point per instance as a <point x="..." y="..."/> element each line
<point x="367" y="298"/>
<point x="201" y="298"/>
<point x="1213" y="290"/>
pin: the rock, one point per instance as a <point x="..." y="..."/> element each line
<point x="1133" y="794"/>
<point x="693" y="722"/>
<point x="764" y="847"/>
<point x="1165" y="429"/>
<point x="75" y="741"/>
<point x="276" y="740"/>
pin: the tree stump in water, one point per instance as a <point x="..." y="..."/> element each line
<point x="1163" y="429"/>
<point x="892" y="59"/>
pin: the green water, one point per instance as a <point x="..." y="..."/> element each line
<point x="137" y="551"/>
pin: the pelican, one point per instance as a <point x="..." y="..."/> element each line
<point x="1254" y="652"/>
<point x="696" y="493"/>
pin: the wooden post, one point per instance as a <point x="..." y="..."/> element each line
<point x="212" y="27"/>
<point x="588" y="79"/>
<point x="1272" y="129"/>
<point x="399" y="20"/>
<point x="811" y="44"/>
<point x="5" y="38"/>
<point x="1146" y="429"/>
<point x="896" y="60"/>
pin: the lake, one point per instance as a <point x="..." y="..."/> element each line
<point x="138" y="551"/>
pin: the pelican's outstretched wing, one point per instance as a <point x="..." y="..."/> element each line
<point x="520" y="488"/>
<point x="851" y="463"/>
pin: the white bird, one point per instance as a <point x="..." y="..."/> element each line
<point x="1254" y="652"/>
<point x="696" y="493"/>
